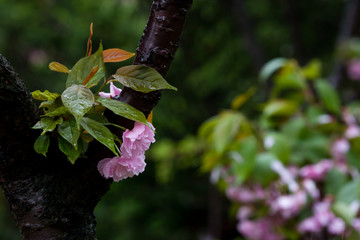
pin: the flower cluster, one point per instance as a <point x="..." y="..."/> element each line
<point x="135" y="143"/>
<point x="298" y="196"/>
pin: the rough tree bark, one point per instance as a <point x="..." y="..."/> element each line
<point x="49" y="197"/>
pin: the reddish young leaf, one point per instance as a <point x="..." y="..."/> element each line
<point x="116" y="55"/>
<point x="58" y="67"/>
<point x="89" y="43"/>
<point x="150" y="117"/>
<point x="91" y="74"/>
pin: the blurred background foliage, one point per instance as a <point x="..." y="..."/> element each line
<point x="223" y="46"/>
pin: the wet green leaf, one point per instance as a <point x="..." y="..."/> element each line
<point x="123" y="109"/>
<point x="71" y="153"/>
<point x="99" y="132"/>
<point x="48" y="124"/>
<point x="61" y="111"/>
<point x="41" y="144"/>
<point x="141" y="78"/>
<point x="79" y="100"/>
<point x="69" y="131"/>
<point x="86" y="66"/>
<point x="44" y="96"/>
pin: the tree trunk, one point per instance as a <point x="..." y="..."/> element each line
<point x="49" y="197"/>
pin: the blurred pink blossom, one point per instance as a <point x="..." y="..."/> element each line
<point x="244" y="212"/>
<point x="352" y="131"/>
<point x="353" y="70"/>
<point x="286" y="175"/>
<point x="356" y="224"/>
<point x="316" y="171"/>
<point x="114" y="91"/>
<point x="245" y="195"/>
<point x="261" y="229"/>
<point x="289" y="205"/>
<point x="340" y="148"/>
<point x="322" y="218"/>
<point x="310" y="187"/>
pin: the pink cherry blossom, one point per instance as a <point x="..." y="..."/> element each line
<point x="132" y="160"/>
<point x="138" y="140"/>
<point x="316" y="171"/>
<point x="114" y="91"/>
<point x="120" y="168"/>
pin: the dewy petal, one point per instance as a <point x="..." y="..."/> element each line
<point x="114" y="91"/>
<point x="137" y="141"/>
<point x="104" y="95"/>
<point x="106" y="166"/>
<point x="132" y="160"/>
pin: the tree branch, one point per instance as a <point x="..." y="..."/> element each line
<point x="49" y="197"/>
<point x="157" y="48"/>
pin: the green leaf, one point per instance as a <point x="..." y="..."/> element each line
<point x="241" y="99"/>
<point x="244" y="158"/>
<point x="271" y="67"/>
<point x="51" y="105"/>
<point x="334" y="180"/>
<point x="79" y="100"/>
<point x="123" y="109"/>
<point x="262" y="172"/>
<point x="43" y="96"/>
<point x="86" y="66"/>
<point x="141" y="78"/>
<point x="226" y="130"/>
<point x="280" y="108"/>
<point x="349" y="192"/>
<point x="313" y="69"/>
<point x="328" y="96"/>
<point x="344" y="211"/>
<point x="280" y="146"/>
<point x="69" y="131"/>
<point x="71" y="153"/>
<point x="99" y="132"/>
<point x="41" y="144"/>
<point x="48" y="124"/>
<point x="60" y="111"/>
